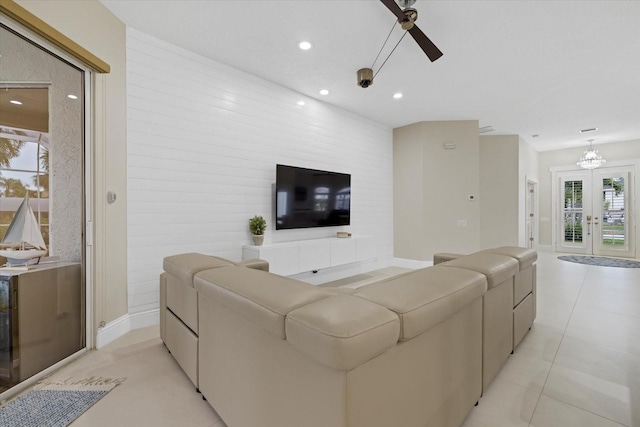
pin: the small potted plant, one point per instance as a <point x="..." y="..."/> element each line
<point x="257" y="225"/>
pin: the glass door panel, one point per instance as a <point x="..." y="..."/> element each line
<point x="575" y="233"/>
<point x="611" y="222"/>
<point x="42" y="117"/>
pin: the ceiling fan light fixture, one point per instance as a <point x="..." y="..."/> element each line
<point x="590" y="158"/>
<point x="411" y="16"/>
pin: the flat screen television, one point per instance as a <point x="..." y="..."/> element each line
<point x="311" y="198"/>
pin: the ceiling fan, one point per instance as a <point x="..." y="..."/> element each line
<point x="407" y="17"/>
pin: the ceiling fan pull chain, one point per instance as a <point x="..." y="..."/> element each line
<point x="383" y="45"/>
<point x="394" y="48"/>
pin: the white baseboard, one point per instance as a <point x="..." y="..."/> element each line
<point x="145" y="318"/>
<point x="113" y="330"/>
<point x="123" y="324"/>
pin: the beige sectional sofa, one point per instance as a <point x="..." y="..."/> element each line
<point x="270" y="351"/>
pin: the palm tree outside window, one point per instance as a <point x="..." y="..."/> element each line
<point x="24" y="167"/>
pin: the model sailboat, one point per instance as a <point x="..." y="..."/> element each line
<point x="23" y="239"/>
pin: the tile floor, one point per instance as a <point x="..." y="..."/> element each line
<point x="578" y="366"/>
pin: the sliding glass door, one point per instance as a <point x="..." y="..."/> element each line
<point x="42" y="175"/>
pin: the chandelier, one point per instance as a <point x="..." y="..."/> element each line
<point x="590" y="158"/>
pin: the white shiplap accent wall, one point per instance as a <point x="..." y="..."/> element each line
<point x="203" y="143"/>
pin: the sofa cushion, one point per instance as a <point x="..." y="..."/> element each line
<point x="496" y="268"/>
<point x="184" y="266"/>
<point x="525" y="257"/>
<point x="342" y="331"/>
<point x="425" y="297"/>
<point x="261" y="297"/>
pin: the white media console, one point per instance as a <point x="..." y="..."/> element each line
<point x="290" y="258"/>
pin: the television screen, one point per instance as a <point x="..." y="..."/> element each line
<point x="311" y="198"/>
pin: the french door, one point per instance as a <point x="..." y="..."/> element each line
<point x="595" y="212"/>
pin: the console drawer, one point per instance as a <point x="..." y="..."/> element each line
<point x="183" y="345"/>
<point x="522" y="319"/>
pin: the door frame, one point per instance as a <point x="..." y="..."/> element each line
<point x="536" y="212"/>
<point x="633" y="202"/>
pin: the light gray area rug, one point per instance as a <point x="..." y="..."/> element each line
<point x="601" y="261"/>
<point x="55" y="403"/>
<point x="366" y="278"/>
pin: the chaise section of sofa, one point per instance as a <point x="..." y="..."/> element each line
<point x="510" y="303"/>
<point x="179" y="305"/>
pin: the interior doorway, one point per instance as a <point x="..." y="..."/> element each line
<point x="594" y="212"/>
<point x="531" y="198"/>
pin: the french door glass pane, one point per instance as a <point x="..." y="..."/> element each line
<point x="573" y="211"/>
<point x="613" y="214"/>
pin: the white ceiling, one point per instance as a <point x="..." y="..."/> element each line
<point x="548" y="68"/>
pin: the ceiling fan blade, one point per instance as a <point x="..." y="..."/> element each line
<point x="395" y="9"/>
<point x="427" y="45"/>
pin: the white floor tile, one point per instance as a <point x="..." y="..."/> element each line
<point x="591" y="393"/>
<point x="552" y="413"/>
<point x="503" y="404"/>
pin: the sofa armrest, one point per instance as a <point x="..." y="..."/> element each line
<point x="184" y="266"/>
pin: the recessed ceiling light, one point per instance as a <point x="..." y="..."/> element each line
<point x="397" y="95"/>
<point x="324" y="92"/>
<point x="72" y="97"/>
<point x="304" y="45"/>
<point x="588" y="130"/>
<point x="301" y="103"/>
<point x="16" y="102"/>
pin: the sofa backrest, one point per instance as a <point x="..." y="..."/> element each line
<point x="423" y="298"/>
<point x="497" y="268"/>
<point x="261" y="297"/>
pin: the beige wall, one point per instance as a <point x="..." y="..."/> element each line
<point x="499" y="190"/>
<point x="91" y="25"/>
<point x="431" y="185"/>
<point x="617" y="151"/>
